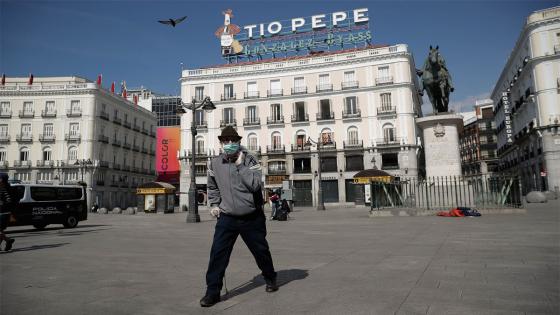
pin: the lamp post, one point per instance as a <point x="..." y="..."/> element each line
<point x="320" y="201"/>
<point x="207" y="105"/>
<point x="83" y="164"/>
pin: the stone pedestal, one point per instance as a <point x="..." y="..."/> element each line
<point x="441" y="144"/>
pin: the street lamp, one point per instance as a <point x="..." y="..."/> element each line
<point x="208" y="106"/>
<point x="320" y="201"/>
<point x="83" y="164"/>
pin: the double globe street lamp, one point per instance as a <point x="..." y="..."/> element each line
<point x="310" y="142"/>
<point x="208" y="106"/>
<point x="83" y="164"/>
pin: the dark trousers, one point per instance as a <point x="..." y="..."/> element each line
<point x="252" y="229"/>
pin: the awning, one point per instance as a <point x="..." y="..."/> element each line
<point x="155" y="188"/>
<point x="367" y="176"/>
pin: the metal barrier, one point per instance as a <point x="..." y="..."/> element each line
<point x="446" y="192"/>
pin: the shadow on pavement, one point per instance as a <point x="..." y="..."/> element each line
<point x="34" y="247"/>
<point x="283" y="277"/>
<point x="57" y="228"/>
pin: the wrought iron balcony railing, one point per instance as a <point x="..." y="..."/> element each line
<point x="384" y="80"/>
<point x="299" y="90"/>
<point x="325" y="116"/>
<point x="300" y="118"/>
<point x="254" y="121"/>
<point x="352" y="114"/>
<point x="275" y="120"/>
<point x="275" y="92"/>
<point x="230" y="122"/>
<point x="349" y="85"/>
<point x="324" y="87"/>
<point x="48" y="113"/>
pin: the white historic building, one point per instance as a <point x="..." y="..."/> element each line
<point x="527" y="127"/>
<point x="360" y="104"/>
<point x="61" y="130"/>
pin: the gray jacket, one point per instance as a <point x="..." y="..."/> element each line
<point x="237" y="190"/>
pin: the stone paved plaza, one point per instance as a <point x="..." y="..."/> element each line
<point x="338" y="261"/>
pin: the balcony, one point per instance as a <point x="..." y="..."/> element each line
<point x="6" y="114"/>
<point x="45" y="163"/>
<point x="301" y="148"/>
<point x="255" y="121"/>
<point x="22" y="164"/>
<point x="72" y="137"/>
<point x="325" y="116"/>
<point x="276" y="172"/>
<point x="127" y="124"/>
<point x="116" y="166"/>
<point x="300" y="118"/>
<point x="48" y="113"/>
<point x="47" y="138"/>
<point x="328" y="146"/>
<point x="255" y="150"/>
<point x="102" y="138"/>
<point x="384" y="80"/>
<point x="74" y="113"/>
<point x="145" y="131"/>
<point x="324" y="87"/>
<point x="116" y="143"/>
<point x="24" y="138"/>
<point x="227" y="97"/>
<point x="278" y="149"/>
<point x="104" y="115"/>
<point x="26" y="113"/>
<point x="4" y="164"/>
<point x="351" y="114"/>
<point x="201" y="125"/>
<point x="136" y="148"/>
<point x="388" y="141"/>
<point x="276" y="92"/>
<point x="117" y="120"/>
<point x="144" y="150"/>
<point x="135" y="169"/>
<point x="153" y="133"/>
<point x="386" y="110"/>
<point x="354" y="144"/>
<point x="152" y="152"/>
<point x="126" y="146"/>
<point x="4" y="138"/>
<point x="299" y="90"/>
<point x="251" y="94"/>
<point x="100" y="182"/>
<point x="229" y="122"/>
<point x="275" y="120"/>
<point x="136" y="128"/>
<point x="103" y="164"/>
<point x="349" y="85"/>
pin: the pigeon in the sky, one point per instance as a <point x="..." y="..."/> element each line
<point x="173" y="22"/>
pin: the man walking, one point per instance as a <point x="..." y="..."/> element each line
<point x="235" y="197"/>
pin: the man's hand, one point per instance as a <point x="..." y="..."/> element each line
<point x="239" y="160"/>
<point x="215" y="212"/>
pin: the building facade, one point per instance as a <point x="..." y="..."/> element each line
<point x="359" y="105"/>
<point x="61" y="130"/>
<point x="478" y="141"/>
<point x="526" y="104"/>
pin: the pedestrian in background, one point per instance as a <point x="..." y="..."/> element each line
<point x="275" y="204"/>
<point x="5" y="213"/>
<point x="236" y="200"/>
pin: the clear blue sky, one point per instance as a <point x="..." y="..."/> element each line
<point x="123" y="41"/>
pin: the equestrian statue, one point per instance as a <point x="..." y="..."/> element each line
<point x="436" y="81"/>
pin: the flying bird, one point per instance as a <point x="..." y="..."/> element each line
<point x="173" y="22"/>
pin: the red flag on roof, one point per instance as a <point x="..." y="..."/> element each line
<point x="135" y="98"/>
<point x="3" y="79"/>
<point x="113" y="87"/>
<point x="30" y="79"/>
<point x="99" y="78"/>
<point x="123" y="89"/>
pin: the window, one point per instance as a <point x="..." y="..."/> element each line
<point x="49" y="107"/>
<point x="276" y="140"/>
<point x="252" y="113"/>
<point x="324" y="79"/>
<point x="390" y="161"/>
<point x="328" y="164"/>
<point x="47" y="154"/>
<point x="43" y="193"/>
<point x="48" y="129"/>
<point x="325" y="109"/>
<point x="3" y="130"/>
<point x="353" y="136"/>
<point x="354" y="163"/>
<point x="199" y="93"/>
<point x="228" y="91"/>
<point x="229" y="115"/>
<point x="26" y="130"/>
<point x="383" y="72"/>
<point x="388" y="133"/>
<point x="302" y="165"/>
<point x="28" y="107"/>
<point x="5" y="107"/>
<point x="72" y="153"/>
<point x="275" y="87"/>
<point x="299" y="110"/>
<point x="199" y="117"/>
<point x="301" y="139"/>
<point x="327" y="137"/>
<point x="252" y="89"/>
<point x="3" y="154"/>
<point x="275" y="167"/>
<point x="252" y="142"/>
<point x="276" y="112"/>
<point x="74" y="129"/>
<point x="76" y="108"/>
<point x="200" y="146"/>
<point x="350" y="105"/>
<point x="24" y="154"/>
<point x="386" y="101"/>
<point x="349" y="76"/>
<point x="299" y="82"/>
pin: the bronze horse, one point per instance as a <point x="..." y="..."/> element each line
<point x="436" y="80"/>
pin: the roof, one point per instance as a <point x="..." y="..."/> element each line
<point x="371" y="173"/>
<point x="157" y="185"/>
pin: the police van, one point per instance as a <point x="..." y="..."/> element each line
<point x="41" y="205"/>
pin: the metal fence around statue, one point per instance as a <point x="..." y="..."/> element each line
<point x="445" y="192"/>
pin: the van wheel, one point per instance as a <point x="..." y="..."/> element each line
<point x="70" y="222"/>
<point x="40" y="226"/>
